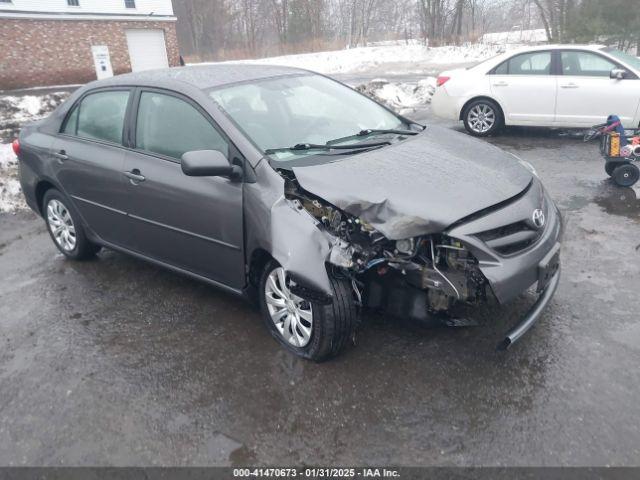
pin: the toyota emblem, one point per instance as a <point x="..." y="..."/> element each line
<point x="538" y="218"/>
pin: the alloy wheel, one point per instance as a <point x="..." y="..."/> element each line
<point x="291" y="315"/>
<point x="61" y="225"/>
<point x="481" y="118"/>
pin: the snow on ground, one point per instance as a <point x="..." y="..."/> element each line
<point x="15" y="111"/>
<point x="364" y="59"/>
<point x="10" y="193"/>
<point x="515" y="37"/>
<point x="400" y="96"/>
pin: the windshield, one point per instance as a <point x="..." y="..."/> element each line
<point x="286" y="111"/>
<point x="630" y="60"/>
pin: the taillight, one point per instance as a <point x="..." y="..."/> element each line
<point x="442" y="80"/>
<point x="16" y="146"/>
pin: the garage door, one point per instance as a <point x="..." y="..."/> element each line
<point x="147" y="49"/>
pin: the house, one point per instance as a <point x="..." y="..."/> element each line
<point x="61" y="42"/>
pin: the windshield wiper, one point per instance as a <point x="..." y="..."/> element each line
<point x="371" y="131"/>
<point x="303" y="147"/>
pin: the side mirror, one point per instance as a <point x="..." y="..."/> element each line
<point x="618" y="74"/>
<point x="209" y="163"/>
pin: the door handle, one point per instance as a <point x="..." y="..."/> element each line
<point x="61" y="156"/>
<point x="501" y="84"/>
<point x="134" y="176"/>
<point x="569" y="85"/>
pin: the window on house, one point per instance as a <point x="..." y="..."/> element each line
<point x="130" y="3"/>
<point x="73" y="3"/>
<point x="5" y="1"/>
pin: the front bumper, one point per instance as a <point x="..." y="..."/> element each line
<point x="511" y="275"/>
<point x="532" y="315"/>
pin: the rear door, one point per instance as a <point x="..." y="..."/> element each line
<point x="194" y="223"/>
<point x="525" y="86"/>
<point x="89" y="160"/>
<point x="587" y="95"/>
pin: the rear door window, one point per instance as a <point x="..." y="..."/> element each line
<point x="170" y="126"/>
<point x="585" y="64"/>
<point x="534" y="63"/>
<point x="99" y="116"/>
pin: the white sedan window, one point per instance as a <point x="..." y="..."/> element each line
<point x="585" y="64"/>
<point x="534" y="63"/>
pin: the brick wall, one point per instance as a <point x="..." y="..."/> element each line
<point x="58" y="52"/>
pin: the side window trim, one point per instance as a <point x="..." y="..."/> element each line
<point x="133" y="123"/>
<point x="598" y="54"/>
<point x="78" y="105"/>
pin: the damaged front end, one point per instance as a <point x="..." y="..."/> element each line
<point x="420" y="277"/>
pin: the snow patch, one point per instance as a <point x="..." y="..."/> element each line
<point x="400" y="96"/>
<point x="362" y="59"/>
<point x="11" y="198"/>
<point x="18" y="110"/>
<point x="515" y="37"/>
<point x="7" y="157"/>
<point x="15" y="111"/>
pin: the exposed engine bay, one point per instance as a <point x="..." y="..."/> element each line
<point x="415" y="277"/>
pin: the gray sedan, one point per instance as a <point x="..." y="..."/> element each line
<point x="295" y="191"/>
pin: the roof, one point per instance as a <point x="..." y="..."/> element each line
<point x="205" y="76"/>
<point x="568" y="46"/>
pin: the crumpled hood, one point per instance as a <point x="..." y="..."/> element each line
<point x="420" y="185"/>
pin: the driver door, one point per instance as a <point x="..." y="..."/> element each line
<point x="193" y="223"/>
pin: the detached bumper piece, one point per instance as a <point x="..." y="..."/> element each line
<point x="533" y="314"/>
<point x="548" y="279"/>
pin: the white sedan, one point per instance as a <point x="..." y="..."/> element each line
<point x="570" y="86"/>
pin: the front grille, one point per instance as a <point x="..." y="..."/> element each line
<point x="510" y="239"/>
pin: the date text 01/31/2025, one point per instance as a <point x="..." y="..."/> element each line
<point x="315" y="472"/>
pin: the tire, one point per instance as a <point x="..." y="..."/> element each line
<point x="626" y="175"/>
<point x="609" y="167"/>
<point x="482" y="118"/>
<point x="65" y="227"/>
<point x="331" y="327"/>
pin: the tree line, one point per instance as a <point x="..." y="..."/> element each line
<point x="231" y="29"/>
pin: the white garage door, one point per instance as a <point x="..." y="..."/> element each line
<point x="147" y="49"/>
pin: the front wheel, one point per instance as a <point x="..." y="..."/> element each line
<point x="311" y="330"/>
<point x="482" y="118"/>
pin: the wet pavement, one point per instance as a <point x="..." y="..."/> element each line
<point x="117" y="362"/>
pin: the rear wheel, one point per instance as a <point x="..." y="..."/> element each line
<point x="626" y="175"/>
<point x="482" y="118"/>
<point x="65" y="228"/>
<point x="308" y="329"/>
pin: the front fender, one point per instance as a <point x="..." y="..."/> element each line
<point x="290" y="236"/>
